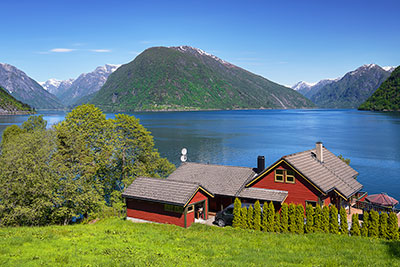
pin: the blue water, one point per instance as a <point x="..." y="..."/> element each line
<point x="370" y="139"/>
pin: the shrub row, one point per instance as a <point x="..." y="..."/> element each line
<point x="323" y="220"/>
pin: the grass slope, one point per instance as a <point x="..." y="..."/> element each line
<point x="387" y="96"/>
<point x="119" y="242"/>
<point x="10" y="105"/>
<point x="164" y="78"/>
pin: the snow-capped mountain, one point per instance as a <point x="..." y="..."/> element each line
<point x="389" y="68"/>
<point x="309" y="89"/>
<point x="55" y="86"/>
<point x="25" y="89"/>
<point x="199" y="52"/>
<point x="69" y="91"/>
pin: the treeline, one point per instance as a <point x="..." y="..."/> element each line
<point x="75" y="170"/>
<point x="292" y="219"/>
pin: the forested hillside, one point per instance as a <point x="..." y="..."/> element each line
<point x="9" y="105"/>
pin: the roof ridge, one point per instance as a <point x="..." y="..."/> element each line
<point x="244" y="184"/>
<point x="206" y="164"/>
<point x="309" y="150"/>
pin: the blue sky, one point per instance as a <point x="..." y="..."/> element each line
<point x="284" y="41"/>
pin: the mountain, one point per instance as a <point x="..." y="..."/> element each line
<point x="25" y="89"/>
<point x="310" y="89"/>
<point x="387" y="96"/>
<point x="168" y="78"/>
<point x="71" y="91"/>
<point x="352" y="89"/>
<point x="55" y="86"/>
<point x="10" y="105"/>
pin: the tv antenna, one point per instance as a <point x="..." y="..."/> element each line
<point x="184" y="155"/>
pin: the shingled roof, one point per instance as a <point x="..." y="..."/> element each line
<point x="219" y="179"/>
<point x="263" y="194"/>
<point x="328" y="175"/>
<point x="163" y="190"/>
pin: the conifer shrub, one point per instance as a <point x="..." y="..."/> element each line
<point x="277" y="226"/>
<point x="318" y="219"/>
<point x="373" y="226"/>
<point x="237" y="206"/>
<point x="325" y="219"/>
<point x="285" y="218"/>
<point x="365" y="224"/>
<point x="270" y="227"/>
<point x="250" y="217"/>
<point x="257" y="216"/>
<point x="344" y="227"/>
<point x="265" y="212"/>
<point x="292" y="218"/>
<point x="309" y="228"/>
<point x="383" y="225"/>
<point x="299" y="219"/>
<point x="355" y="225"/>
<point x="243" y="216"/>
<point x="333" y="220"/>
<point x="393" y="228"/>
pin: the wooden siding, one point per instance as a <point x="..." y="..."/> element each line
<point x="298" y="192"/>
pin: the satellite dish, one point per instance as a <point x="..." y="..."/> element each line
<point x="184" y="151"/>
<point x="183" y="158"/>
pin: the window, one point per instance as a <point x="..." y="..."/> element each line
<point x="279" y="176"/>
<point x="173" y="208"/>
<point x="229" y="211"/>
<point x="312" y="203"/>
<point x="190" y="209"/>
<point x="290" y="176"/>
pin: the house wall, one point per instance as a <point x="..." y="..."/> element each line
<point x="298" y="192"/>
<point x="154" y="211"/>
<point x="220" y="202"/>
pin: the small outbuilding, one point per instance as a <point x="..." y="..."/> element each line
<point x="166" y="201"/>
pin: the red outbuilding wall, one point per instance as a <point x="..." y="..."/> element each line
<point x="298" y="192"/>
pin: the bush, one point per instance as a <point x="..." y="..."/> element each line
<point x="325" y="220"/>
<point x="318" y="219"/>
<point x="292" y="218"/>
<point x="257" y="216"/>
<point x="383" y="225"/>
<point x="237" y="213"/>
<point x="300" y="219"/>
<point x="278" y="227"/>
<point x="270" y="218"/>
<point x="243" y="216"/>
<point x="285" y="218"/>
<point x="333" y="220"/>
<point x="374" y="224"/>
<point x="250" y="218"/>
<point x="365" y="223"/>
<point x="344" y="227"/>
<point x="355" y="225"/>
<point x="393" y="227"/>
<point x="309" y="228"/>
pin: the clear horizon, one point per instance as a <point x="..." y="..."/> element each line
<point x="285" y="42"/>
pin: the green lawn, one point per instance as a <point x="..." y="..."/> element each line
<point x="120" y="242"/>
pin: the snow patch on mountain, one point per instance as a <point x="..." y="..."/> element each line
<point x="185" y="48"/>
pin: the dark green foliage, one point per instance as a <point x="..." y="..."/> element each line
<point x="351" y="90"/>
<point x="79" y="169"/>
<point x="10" y="105"/>
<point x="373" y="230"/>
<point x="250" y="217"/>
<point x="318" y="219"/>
<point x="299" y="219"/>
<point x="355" y="226"/>
<point x="365" y="224"/>
<point x="393" y="227"/>
<point x="333" y="220"/>
<point x="292" y="218"/>
<point x="285" y="218"/>
<point x="270" y="217"/>
<point x="325" y="219"/>
<point x="347" y="161"/>
<point x="383" y="225"/>
<point x="164" y="78"/>
<point x="237" y="220"/>
<point x="257" y="216"/>
<point x="243" y="215"/>
<point x="309" y="228"/>
<point x="343" y="222"/>
<point x="277" y="225"/>
<point x="387" y="96"/>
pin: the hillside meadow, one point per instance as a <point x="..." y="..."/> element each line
<point x="118" y="242"/>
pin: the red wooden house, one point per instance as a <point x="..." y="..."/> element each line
<point x="313" y="177"/>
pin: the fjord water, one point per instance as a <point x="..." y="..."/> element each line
<point x="370" y="139"/>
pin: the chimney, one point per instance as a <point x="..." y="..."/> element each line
<point x="319" y="151"/>
<point x="260" y="163"/>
